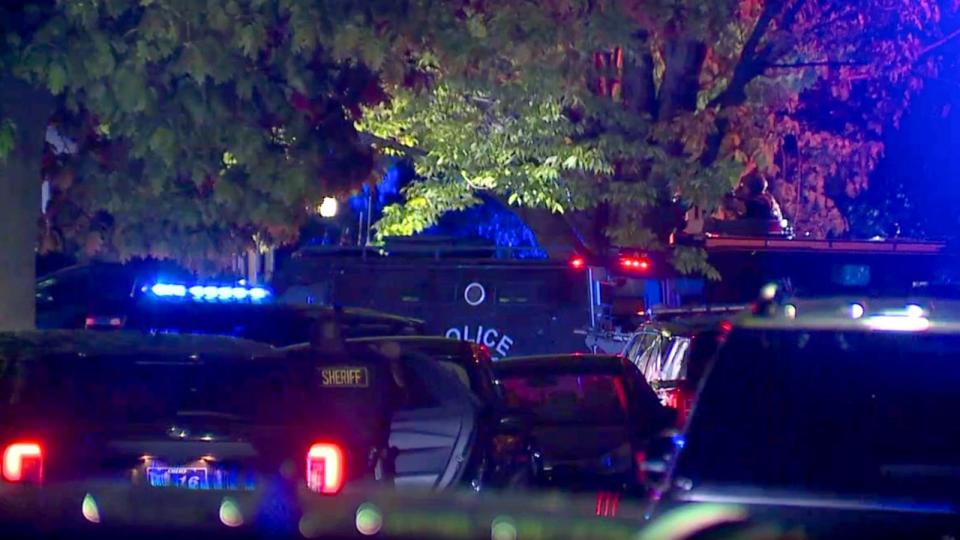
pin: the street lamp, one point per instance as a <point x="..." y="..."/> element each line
<point x="328" y="208"/>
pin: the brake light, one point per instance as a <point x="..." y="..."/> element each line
<point x="639" y="462"/>
<point x="325" y="467"/>
<point x="102" y="322"/>
<point x="635" y="263"/>
<point x="23" y="462"/>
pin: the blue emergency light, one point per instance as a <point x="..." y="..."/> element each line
<point x="208" y="292"/>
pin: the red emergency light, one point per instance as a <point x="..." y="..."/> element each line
<point x="635" y="264"/>
<point x="577" y="262"/>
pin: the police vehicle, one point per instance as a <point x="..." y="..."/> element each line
<point x="97" y="294"/>
<point x="199" y="413"/>
<point x="155" y="299"/>
<point x="827" y="415"/>
<point x="512" y="307"/>
<point x="171" y="414"/>
<point x="451" y="414"/>
<point x="250" y="313"/>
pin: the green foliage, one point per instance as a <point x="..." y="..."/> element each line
<point x="689" y="260"/>
<point x="521" y="120"/>
<point x="204" y="127"/>
<point x="210" y="126"/>
<point x="8" y="135"/>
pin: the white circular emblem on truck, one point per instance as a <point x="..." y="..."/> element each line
<point x="474" y="294"/>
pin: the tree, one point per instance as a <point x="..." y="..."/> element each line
<point x="197" y="128"/>
<point x="682" y="99"/>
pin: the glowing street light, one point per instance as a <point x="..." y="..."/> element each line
<point x="328" y="208"/>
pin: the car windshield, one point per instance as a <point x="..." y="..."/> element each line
<point x="567" y="398"/>
<point x="830" y="411"/>
<point x="147" y="389"/>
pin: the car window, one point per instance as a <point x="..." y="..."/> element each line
<point x="676" y="359"/>
<point x="69" y="288"/>
<point x="568" y="398"/>
<point x="417" y="390"/>
<point x="829" y="411"/>
<point x="150" y="389"/>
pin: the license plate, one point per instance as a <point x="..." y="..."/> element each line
<point x="199" y="478"/>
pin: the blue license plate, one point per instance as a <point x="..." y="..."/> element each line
<point x="199" y="478"/>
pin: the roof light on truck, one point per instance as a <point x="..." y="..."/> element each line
<point x="634" y="264"/>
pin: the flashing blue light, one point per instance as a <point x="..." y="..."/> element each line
<point x="913" y="310"/>
<point x="166" y="289"/>
<point x="223" y="293"/>
<point x="258" y="293"/>
<point x="679" y="441"/>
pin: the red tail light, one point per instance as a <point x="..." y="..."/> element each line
<point x="102" y="322"/>
<point x="607" y="504"/>
<point x="325" y="468"/>
<point x="23" y="462"/>
<point x="641" y="264"/>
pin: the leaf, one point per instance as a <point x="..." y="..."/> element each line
<point x="8" y="133"/>
<point x="476" y="27"/>
<point x="130" y="91"/>
<point x="163" y="143"/>
<point x="192" y="62"/>
<point x="251" y="38"/>
<point x="56" y="78"/>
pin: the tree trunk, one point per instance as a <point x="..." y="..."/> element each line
<point x="29" y="109"/>
<point x="681" y="81"/>
<point x="639" y="89"/>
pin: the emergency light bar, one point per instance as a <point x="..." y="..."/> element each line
<point x="210" y="293"/>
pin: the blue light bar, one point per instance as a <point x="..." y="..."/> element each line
<point x="208" y="293"/>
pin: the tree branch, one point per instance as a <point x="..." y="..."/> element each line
<point x="747" y="66"/>
<point x="371" y="139"/>
<point x="824" y="63"/>
<point x="939" y="43"/>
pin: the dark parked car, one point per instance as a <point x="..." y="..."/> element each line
<point x="74" y="297"/>
<point x="829" y="416"/>
<point x="590" y="418"/>
<point x="158" y="298"/>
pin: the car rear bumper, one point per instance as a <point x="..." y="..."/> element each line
<point x="99" y="509"/>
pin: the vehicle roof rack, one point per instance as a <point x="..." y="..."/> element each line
<point x="747" y="243"/>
